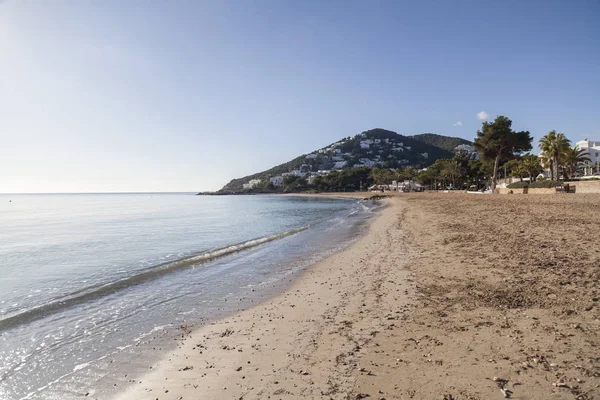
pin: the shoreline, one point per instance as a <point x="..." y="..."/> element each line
<point x="433" y="302"/>
<point x="227" y="342"/>
<point x="113" y="350"/>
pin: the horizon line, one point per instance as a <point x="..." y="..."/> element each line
<point x="170" y="192"/>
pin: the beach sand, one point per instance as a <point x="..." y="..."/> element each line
<point x="448" y="296"/>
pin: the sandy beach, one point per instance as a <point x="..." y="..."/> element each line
<point x="448" y="296"/>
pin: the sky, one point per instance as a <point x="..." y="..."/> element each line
<point x="126" y="96"/>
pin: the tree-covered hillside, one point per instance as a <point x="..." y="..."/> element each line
<point x="443" y="142"/>
<point x="372" y="148"/>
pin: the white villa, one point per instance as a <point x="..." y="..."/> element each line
<point x="366" y="162"/>
<point x="251" y="183"/>
<point x="469" y="150"/>
<point x="340" y="164"/>
<point x="592" y="151"/>
<point x="295" y="172"/>
<point x="277" y="181"/>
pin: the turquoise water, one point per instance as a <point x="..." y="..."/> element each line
<point x="89" y="283"/>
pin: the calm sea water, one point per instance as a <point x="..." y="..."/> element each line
<point x="95" y="287"/>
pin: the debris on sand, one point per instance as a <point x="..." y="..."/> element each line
<point x="503" y="386"/>
<point x="226" y="332"/>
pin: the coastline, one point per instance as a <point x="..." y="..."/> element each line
<point x="428" y="304"/>
<point x="134" y="317"/>
<point x="266" y="337"/>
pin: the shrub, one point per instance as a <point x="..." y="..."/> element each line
<point x="518" y="185"/>
<point x="545" y="184"/>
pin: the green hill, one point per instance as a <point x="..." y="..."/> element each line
<point x="372" y="148"/>
<point x="443" y="142"/>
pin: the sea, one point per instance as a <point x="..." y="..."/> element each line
<point x="94" y="288"/>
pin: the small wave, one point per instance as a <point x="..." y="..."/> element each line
<point x="94" y="292"/>
<point x="81" y="366"/>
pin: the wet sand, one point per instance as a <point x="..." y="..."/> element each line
<point x="449" y="296"/>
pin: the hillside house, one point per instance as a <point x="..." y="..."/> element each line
<point x="469" y="150"/>
<point x="305" y="168"/>
<point x="294" y="172"/>
<point x="251" y="184"/>
<point x="340" y="164"/>
<point x="276" y="181"/>
<point x="367" y="162"/>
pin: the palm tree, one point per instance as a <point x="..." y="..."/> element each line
<point x="572" y="157"/>
<point x="518" y="171"/>
<point x="552" y="146"/>
<point x="531" y="164"/>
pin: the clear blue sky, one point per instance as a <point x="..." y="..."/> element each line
<point x="104" y="95"/>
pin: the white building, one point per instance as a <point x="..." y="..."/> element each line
<point x="467" y="149"/>
<point x="311" y="156"/>
<point x="464" y="147"/>
<point x="340" y="164"/>
<point x="251" y="183"/>
<point x="277" y="181"/>
<point x="364" y="145"/>
<point x="367" y="162"/>
<point x="295" y="172"/>
<point x="305" y="169"/>
<point x="592" y="151"/>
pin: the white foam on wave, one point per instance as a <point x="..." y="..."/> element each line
<point x="155" y="329"/>
<point x="80" y="366"/>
